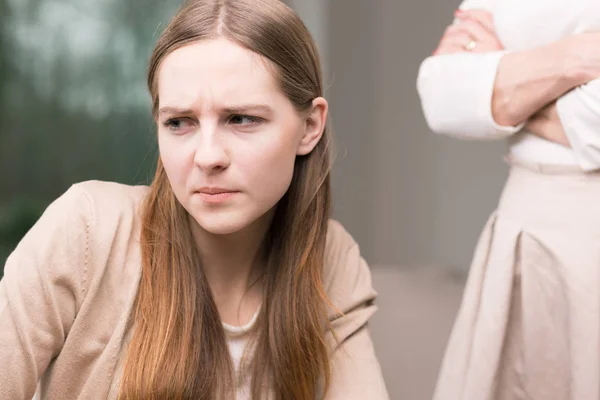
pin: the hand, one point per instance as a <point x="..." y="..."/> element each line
<point x="581" y="57"/>
<point x="546" y="124"/>
<point x="472" y="28"/>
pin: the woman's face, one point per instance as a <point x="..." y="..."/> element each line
<point x="228" y="137"/>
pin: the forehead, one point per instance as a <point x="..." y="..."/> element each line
<point x="215" y="71"/>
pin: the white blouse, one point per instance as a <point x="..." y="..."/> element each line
<point x="456" y="89"/>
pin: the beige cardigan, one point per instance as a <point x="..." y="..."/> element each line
<point x="69" y="287"/>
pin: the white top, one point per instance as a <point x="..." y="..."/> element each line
<point x="237" y="340"/>
<point x="456" y="89"/>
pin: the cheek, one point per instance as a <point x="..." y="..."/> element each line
<point x="174" y="160"/>
<point x="269" y="169"/>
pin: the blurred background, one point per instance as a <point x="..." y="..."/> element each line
<point x="74" y="107"/>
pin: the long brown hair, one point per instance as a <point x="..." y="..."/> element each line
<point x="178" y="348"/>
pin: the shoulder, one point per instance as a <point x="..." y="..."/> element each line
<point x="113" y="212"/>
<point x="339" y="240"/>
<point x="101" y="221"/>
<point x="71" y="243"/>
<point x="106" y="198"/>
<point x="99" y="203"/>
<point x="344" y="268"/>
<point x="347" y="282"/>
<point x="87" y="204"/>
<point x="93" y="216"/>
<point x="94" y="211"/>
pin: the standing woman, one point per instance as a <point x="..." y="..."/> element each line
<point x="526" y="72"/>
<point x="225" y="278"/>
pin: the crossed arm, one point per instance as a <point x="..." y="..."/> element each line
<point x="552" y="91"/>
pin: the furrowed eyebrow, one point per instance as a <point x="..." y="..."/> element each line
<point x="247" y="108"/>
<point x="237" y="109"/>
<point x="174" y="110"/>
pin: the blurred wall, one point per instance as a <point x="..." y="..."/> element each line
<point x="410" y="197"/>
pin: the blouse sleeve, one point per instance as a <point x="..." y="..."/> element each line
<point x="456" y="91"/>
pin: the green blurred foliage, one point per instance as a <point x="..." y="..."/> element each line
<point x="15" y="220"/>
<point x="73" y="100"/>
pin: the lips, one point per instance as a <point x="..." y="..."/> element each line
<point x="215" y="195"/>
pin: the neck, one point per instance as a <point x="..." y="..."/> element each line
<point x="233" y="265"/>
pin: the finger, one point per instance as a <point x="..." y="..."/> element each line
<point x="484" y="17"/>
<point x="460" y="39"/>
<point x="448" y="48"/>
<point x="475" y="29"/>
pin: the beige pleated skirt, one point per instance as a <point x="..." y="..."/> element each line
<point x="529" y="323"/>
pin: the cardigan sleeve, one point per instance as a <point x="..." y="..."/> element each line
<point x="41" y="291"/>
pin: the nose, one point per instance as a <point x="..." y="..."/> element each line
<point x="211" y="154"/>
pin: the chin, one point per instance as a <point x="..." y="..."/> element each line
<point x="223" y="223"/>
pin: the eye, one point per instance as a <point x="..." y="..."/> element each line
<point x="239" y="119"/>
<point x="178" y="124"/>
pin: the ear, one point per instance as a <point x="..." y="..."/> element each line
<point x="313" y="126"/>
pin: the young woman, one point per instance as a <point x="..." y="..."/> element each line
<point x="222" y="280"/>
<point x="528" y="72"/>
